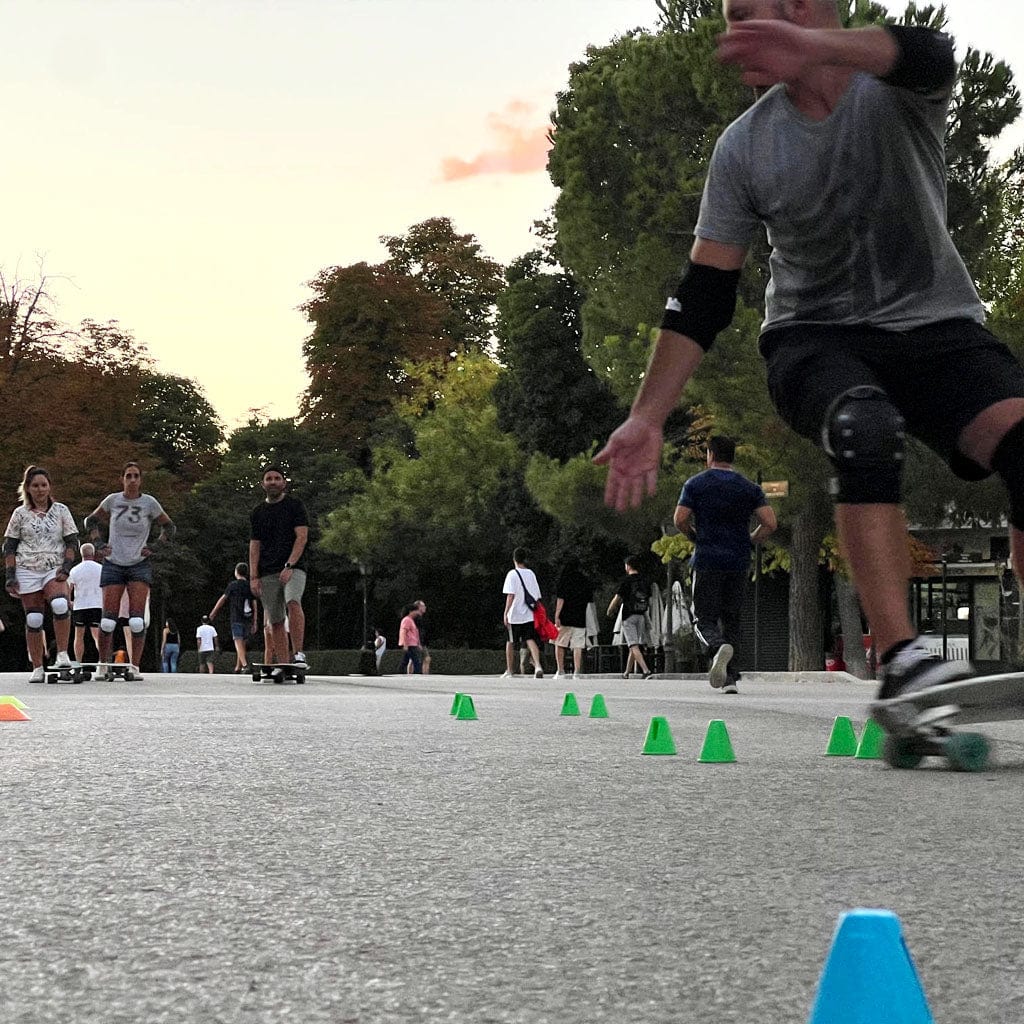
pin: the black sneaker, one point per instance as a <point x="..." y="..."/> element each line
<point x="915" y="668"/>
<point x="718" y="675"/>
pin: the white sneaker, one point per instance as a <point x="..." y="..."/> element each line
<point x="63" y="660"/>
<point x="506" y="675"/>
<point x="559" y="675"/>
<point x="298" y="658"/>
<point x="718" y="676"/>
<point x="38" y="675"/>
<point x="577" y="675"/>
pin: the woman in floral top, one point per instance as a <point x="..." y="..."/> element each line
<point x="40" y="547"/>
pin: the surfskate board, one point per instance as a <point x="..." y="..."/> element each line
<point x="921" y="724"/>
<point x="279" y="673"/>
<point x="73" y="673"/>
<point x="105" y="671"/>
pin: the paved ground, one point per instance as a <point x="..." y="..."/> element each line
<point x="209" y="850"/>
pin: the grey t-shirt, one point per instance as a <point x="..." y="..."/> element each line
<point x="131" y="520"/>
<point x="854" y="206"/>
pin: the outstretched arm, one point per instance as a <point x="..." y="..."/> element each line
<point x="704" y="306"/>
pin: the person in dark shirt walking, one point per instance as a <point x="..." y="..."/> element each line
<point x="715" y="509"/>
<point x="573" y="592"/>
<point x="277" y="564"/>
<point x="242" y="611"/>
<point x="634" y="594"/>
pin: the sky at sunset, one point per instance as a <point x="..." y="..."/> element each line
<point x="184" y="166"/>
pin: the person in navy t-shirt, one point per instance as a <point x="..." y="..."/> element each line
<point x="715" y="509"/>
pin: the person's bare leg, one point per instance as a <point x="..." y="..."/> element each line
<point x="559" y="659"/>
<point x="297" y="625"/>
<point x="873" y="539"/>
<point x="79" y="643"/>
<point x="577" y="659"/>
<point x="510" y="655"/>
<point x="280" y="642"/>
<point x="137" y="595"/>
<point x="638" y="657"/>
<point x="241" y="660"/>
<point x="535" y="654"/>
<point x="111" y="606"/>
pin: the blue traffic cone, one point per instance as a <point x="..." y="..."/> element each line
<point x="869" y="977"/>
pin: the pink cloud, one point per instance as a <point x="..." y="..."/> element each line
<point x="520" y="147"/>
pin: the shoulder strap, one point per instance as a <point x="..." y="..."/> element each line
<point x="526" y="589"/>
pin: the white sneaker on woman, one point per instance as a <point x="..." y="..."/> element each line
<point x="63" y="660"/>
<point x="38" y="675"/>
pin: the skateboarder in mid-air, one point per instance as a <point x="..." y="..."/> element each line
<point x="873" y="327"/>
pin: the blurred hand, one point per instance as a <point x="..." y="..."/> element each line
<point x="769" y="51"/>
<point x="632" y="455"/>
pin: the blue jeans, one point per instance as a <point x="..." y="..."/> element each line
<point x="170" y="658"/>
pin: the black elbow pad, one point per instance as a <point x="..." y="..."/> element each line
<point x="926" y="63"/>
<point x="703" y="305"/>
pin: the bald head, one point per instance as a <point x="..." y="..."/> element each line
<point x="801" y="12"/>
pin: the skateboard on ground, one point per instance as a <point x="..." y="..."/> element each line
<point x="279" y="673"/>
<point x="921" y="724"/>
<point x="73" y="673"/>
<point x="116" y="669"/>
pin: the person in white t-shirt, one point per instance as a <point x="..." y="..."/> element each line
<point x="206" y="639"/>
<point x="86" y="599"/>
<point x="518" y="618"/>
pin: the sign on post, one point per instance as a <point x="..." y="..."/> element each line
<point x="775" y="488"/>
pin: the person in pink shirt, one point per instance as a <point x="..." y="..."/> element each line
<point x="409" y="638"/>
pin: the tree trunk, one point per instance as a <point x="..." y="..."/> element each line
<point x="806" y="623"/>
<point x="853" y="635"/>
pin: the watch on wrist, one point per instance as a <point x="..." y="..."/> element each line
<point x="288" y="565"/>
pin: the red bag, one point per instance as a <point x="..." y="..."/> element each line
<point x="542" y="625"/>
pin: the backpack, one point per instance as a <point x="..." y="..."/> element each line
<point x="640" y="598"/>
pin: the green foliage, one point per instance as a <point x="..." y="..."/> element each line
<point x="368" y="322"/>
<point x="450" y="267"/>
<point x="547" y="395"/>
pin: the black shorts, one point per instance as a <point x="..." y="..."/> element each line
<point x="520" y="632"/>
<point x="940" y="377"/>
<point x="87" y="616"/>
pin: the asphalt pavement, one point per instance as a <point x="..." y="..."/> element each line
<point x="206" y="849"/>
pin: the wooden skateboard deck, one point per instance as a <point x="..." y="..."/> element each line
<point x="279" y="673"/>
<point x="920" y="724"/>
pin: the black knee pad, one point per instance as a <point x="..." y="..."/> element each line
<point x="865" y="438"/>
<point x="1008" y="462"/>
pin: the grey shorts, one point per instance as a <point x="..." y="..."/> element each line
<point x="276" y="596"/>
<point x="634" y="631"/>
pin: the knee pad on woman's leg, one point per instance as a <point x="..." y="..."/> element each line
<point x="60" y="608"/>
<point x="34" y="622"/>
<point x="137" y="624"/>
<point x="108" y="625"/>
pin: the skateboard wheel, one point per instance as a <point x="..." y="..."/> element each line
<point x="967" y="752"/>
<point x="277" y="675"/>
<point x="50" y="678"/>
<point x="901" y="752"/>
<point x="256" y="677"/>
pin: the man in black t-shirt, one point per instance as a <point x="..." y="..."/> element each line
<point x="573" y="593"/>
<point x="633" y="594"/>
<point x="277" y="564"/>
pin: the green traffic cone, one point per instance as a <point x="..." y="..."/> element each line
<point x="871" y="739"/>
<point x="455" y="703"/>
<point x="466" y="711"/>
<point x="717" y="747"/>
<point x="570" y="705"/>
<point x="843" y="740"/>
<point x="659" y="737"/>
<point x="598" y="708"/>
<point x="14" y="702"/>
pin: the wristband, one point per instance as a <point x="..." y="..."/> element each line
<point x="12" y="574"/>
<point x="66" y="566"/>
